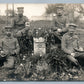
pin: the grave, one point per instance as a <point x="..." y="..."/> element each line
<point x="39" y="46"/>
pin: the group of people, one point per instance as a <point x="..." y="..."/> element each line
<point x="66" y="32"/>
<point x="15" y="35"/>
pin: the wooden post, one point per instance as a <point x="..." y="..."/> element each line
<point x="13" y="9"/>
<point x="7" y="14"/>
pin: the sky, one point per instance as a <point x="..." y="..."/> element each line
<point x="29" y="9"/>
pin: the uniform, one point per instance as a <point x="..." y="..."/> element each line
<point x="60" y="25"/>
<point x="18" y="25"/>
<point x="20" y="28"/>
<point x="60" y="21"/>
<point x="19" y="22"/>
<point x="9" y="47"/>
<point x="71" y="45"/>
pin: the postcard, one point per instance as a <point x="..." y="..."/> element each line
<point x="41" y="42"/>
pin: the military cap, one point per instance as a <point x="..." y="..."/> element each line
<point x="72" y="24"/>
<point x="8" y="27"/>
<point x="59" y="7"/>
<point x="20" y="8"/>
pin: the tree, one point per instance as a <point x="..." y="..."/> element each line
<point x="51" y="8"/>
<point x="69" y="10"/>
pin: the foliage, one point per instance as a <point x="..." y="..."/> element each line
<point x="51" y="8"/>
<point x="69" y="10"/>
<point x="51" y="66"/>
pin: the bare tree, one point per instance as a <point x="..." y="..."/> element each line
<point x="69" y="10"/>
<point x="51" y="8"/>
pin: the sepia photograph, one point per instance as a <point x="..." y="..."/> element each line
<point x="41" y="42"/>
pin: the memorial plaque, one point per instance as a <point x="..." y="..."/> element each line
<point x="39" y="46"/>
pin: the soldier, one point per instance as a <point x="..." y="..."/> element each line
<point x="19" y="22"/>
<point x="70" y="44"/>
<point x="60" y="21"/>
<point x="9" y="48"/>
<point x="20" y="26"/>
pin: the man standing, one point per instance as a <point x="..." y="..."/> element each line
<point x="20" y="26"/>
<point x="9" y="48"/>
<point x="60" y="21"/>
<point x="19" y="22"/>
<point x="70" y="44"/>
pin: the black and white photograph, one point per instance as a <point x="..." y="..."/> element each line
<point x="41" y="42"/>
